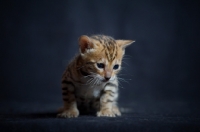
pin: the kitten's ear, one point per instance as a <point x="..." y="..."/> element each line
<point x="85" y="43"/>
<point x="124" y="43"/>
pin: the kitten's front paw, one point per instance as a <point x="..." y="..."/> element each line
<point x="69" y="113"/>
<point x="115" y="109"/>
<point x="106" y="112"/>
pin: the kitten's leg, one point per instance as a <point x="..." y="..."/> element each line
<point x="70" y="105"/>
<point x="108" y="105"/>
<point x="115" y="109"/>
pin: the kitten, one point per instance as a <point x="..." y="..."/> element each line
<point x="90" y="83"/>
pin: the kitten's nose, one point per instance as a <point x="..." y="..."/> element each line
<point x="107" y="78"/>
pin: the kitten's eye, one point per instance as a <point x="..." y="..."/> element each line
<point x="116" y="66"/>
<point x="100" y="65"/>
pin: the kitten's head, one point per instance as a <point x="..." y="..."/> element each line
<point x="102" y="55"/>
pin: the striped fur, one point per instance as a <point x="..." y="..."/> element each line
<point x="89" y="83"/>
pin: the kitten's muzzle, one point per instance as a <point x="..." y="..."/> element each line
<point x="107" y="74"/>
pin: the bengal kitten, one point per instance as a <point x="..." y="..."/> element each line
<point x="90" y="81"/>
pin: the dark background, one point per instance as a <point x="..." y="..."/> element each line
<point x="39" y="38"/>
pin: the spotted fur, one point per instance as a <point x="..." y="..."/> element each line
<point x="89" y="83"/>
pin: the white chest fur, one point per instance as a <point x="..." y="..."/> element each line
<point x="89" y="91"/>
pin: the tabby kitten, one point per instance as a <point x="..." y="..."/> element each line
<point x="90" y="83"/>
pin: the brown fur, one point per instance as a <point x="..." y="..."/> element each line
<point x="88" y="86"/>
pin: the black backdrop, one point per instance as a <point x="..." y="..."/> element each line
<point x="38" y="39"/>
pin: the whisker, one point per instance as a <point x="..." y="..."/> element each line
<point x="98" y="82"/>
<point x="122" y="79"/>
<point x="90" y="81"/>
<point x="95" y="83"/>
<point x="125" y="63"/>
<point x="120" y="85"/>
